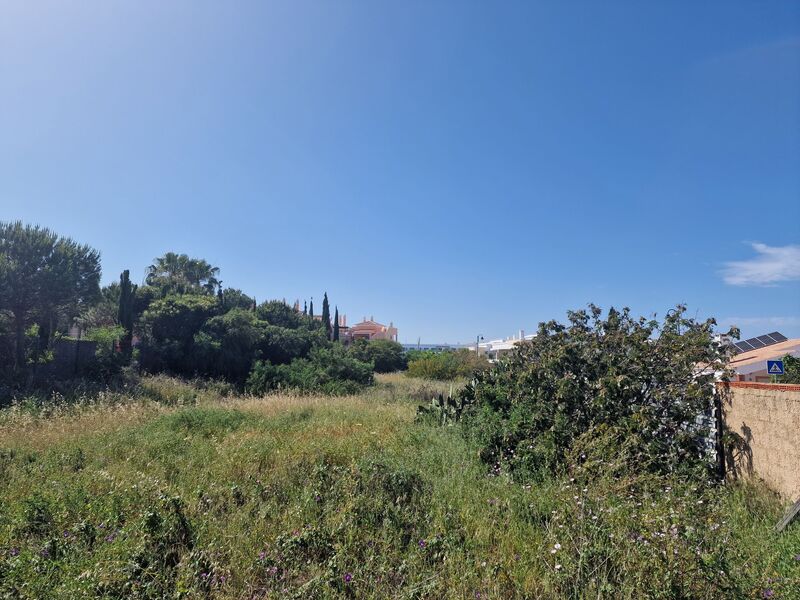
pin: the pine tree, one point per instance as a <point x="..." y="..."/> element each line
<point x="336" y="325"/>
<point x="326" y="315"/>
<point x="127" y="292"/>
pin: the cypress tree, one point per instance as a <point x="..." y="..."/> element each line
<point x="127" y="291"/>
<point x="311" y="309"/>
<point x="326" y="315"/>
<point x="336" y="325"/>
<point x="305" y="308"/>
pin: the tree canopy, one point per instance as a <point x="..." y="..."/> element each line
<point x="45" y="279"/>
<point x="178" y="273"/>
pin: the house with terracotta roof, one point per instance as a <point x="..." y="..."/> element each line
<point x="369" y="329"/>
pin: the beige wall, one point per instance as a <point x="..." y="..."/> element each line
<point x="763" y="425"/>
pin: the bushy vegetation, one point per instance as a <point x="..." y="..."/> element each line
<point x="637" y="381"/>
<point x="446" y="366"/>
<point x="212" y="496"/>
<point x="791" y="369"/>
<point x="387" y="356"/>
<point x="327" y="370"/>
<point x="180" y="321"/>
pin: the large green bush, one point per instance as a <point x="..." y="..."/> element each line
<point x="646" y="382"/>
<point x="446" y="366"/>
<point x="328" y="370"/>
<point x="386" y="355"/>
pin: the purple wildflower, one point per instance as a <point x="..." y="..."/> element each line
<point x="768" y="593"/>
<point x="422" y="543"/>
<point x="348" y="577"/>
<point x="797" y="557"/>
<point x="110" y="537"/>
<point x="14" y="551"/>
<point x="262" y="555"/>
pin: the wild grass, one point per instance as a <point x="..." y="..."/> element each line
<point x="189" y="491"/>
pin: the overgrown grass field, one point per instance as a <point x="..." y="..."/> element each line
<point x="175" y="491"/>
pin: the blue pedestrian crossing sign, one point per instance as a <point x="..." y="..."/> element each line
<point x="775" y="367"/>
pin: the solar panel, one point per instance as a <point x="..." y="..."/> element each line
<point x="761" y="341"/>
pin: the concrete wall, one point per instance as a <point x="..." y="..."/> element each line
<point x="762" y="433"/>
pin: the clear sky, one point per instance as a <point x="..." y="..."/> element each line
<point x="458" y="168"/>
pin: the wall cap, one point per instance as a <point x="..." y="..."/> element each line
<point x="783" y="387"/>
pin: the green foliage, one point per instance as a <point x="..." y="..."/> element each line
<point x="386" y="355"/>
<point x="126" y="313"/>
<point x="304" y="498"/>
<point x="234" y="298"/>
<point x="226" y="345"/>
<point x="44" y="279"/>
<point x="445" y="366"/>
<point x="649" y="381"/>
<point x="169" y="327"/>
<point x="280" y="345"/>
<point x="791" y="369"/>
<point x="328" y="370"/>
<point x="280" y="314"/>
<point x="336" y="325"/>
<point x="326" y="315"/>
<point x="179" y="274"/>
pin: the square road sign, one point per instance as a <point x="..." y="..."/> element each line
<point x="775" y="367"/>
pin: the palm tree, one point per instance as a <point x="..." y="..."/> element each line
<point x="177" y="273"/>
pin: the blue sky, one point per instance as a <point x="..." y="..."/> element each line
<point x="458" y="168"/>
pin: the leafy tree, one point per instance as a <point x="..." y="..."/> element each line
<point x="336" y="325"/>
<point x="640" y="381"/>
<point x="44" y="279"/>
<point x="387" y="356"/>
<point x="169" y="327"/>
<point x="280" y="345"/>
<point x="279" y="313"/>
<point x="234" y="298"/>
<point x="326" y="315"/>
<point x="126" y="312"/>
<point x="178" y="274"/>
<point x="791" y="368"/>
<point x="227" y="344"/>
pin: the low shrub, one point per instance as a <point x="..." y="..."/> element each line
<point x="446" y="366"/>
<point x="328" y="370"/>
<point x="386" y="355"/>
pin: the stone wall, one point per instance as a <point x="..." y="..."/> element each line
<point x="762" y="433"/>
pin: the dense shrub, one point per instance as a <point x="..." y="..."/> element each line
<point x="791" y="367"/>
<point x="226" y="345"/>
<point x="328" y="370"/>
<point x="447" y="365"/>
<point x="647" y="381"/>
<point x="169" y="327"/>
<point x="386" y="355"/>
